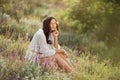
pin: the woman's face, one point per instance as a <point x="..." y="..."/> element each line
<point x="53" y="24"/>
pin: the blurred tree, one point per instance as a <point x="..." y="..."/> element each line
<point x="113" y="1"/>
<point x="18" y="8"/>
<point x="89" y="13"/>
<point x="100" y="17"/>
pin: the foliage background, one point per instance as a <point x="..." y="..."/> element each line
<point x="89" y="31"/>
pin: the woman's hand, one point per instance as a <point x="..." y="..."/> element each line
<point x="55" y="33"/>
<point x="62" y="51"/>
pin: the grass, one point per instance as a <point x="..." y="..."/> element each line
<point x="88" y="67"/>
<point x="14" y="41"/>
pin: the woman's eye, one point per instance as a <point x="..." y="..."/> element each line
<point x="53" y="22"/>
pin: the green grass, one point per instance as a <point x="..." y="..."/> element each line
<point x="88" y="67"/>
<point x="14" y="41"/>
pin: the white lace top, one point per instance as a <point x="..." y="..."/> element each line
<point x="39" y="44"/>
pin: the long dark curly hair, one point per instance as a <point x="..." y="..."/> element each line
<point x="47" y="28"/>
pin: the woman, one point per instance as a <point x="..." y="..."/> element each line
<point x="44" y="48"/>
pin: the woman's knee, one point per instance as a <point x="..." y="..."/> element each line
<point x="56" y="55"/>
<point x="63" y="50"/>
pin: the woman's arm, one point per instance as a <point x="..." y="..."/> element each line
<point x="56" y="33"/>
<point x="44" y="46"/>
<point x="56" y="42"/>
<point x="62" y="51"/>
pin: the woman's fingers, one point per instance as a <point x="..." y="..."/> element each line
<point x="65" y="53"/>
<point x="55" y="33"/>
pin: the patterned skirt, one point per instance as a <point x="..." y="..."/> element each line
<point x="40" y="59"/>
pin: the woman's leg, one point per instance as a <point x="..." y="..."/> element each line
<point x="67" y="60"/>
<point x="62" y="63"/>
<point x="48" y="62"/>
<point x="64" y="55"/>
